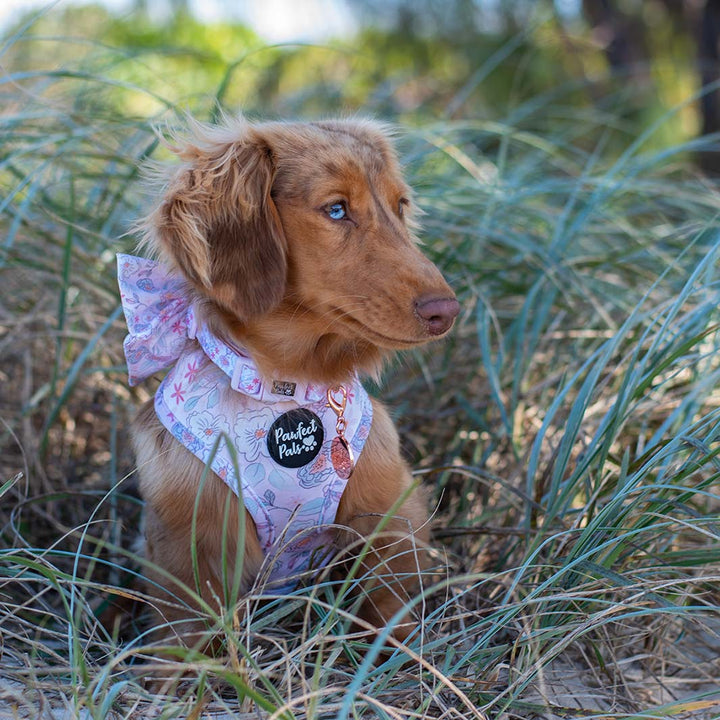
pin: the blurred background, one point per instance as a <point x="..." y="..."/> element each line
<point x="414" y="60"/>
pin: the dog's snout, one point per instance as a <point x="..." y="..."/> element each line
<point x="437" y="313"/>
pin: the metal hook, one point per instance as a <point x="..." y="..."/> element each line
<point x="337" y="406"/>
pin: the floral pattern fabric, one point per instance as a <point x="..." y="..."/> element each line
<point x="291" y="507"/>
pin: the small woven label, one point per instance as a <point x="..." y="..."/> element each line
<point x="283" y="387"/>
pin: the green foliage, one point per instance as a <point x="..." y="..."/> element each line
<point x="568" y="432"/>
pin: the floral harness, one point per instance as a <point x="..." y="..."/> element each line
<point x="271" y="441"/>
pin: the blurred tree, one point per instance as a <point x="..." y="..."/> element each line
<point x="708" y="30"/>
<point x="179" y="7"/>
<point x="662" y="48"/>
<point x="622" y="34"/>
<point x="629" y="33"/>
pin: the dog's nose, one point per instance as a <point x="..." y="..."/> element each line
<point x="437" y="313"/>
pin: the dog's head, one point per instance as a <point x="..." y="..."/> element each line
<point x="301" y="237"/>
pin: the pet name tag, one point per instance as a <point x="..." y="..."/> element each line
<point x="341" y="456"/>
<point x="295" y="438"/>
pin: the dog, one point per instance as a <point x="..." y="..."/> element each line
<point x="287" y="266"/>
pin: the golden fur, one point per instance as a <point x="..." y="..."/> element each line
<point x="245" y="218"/>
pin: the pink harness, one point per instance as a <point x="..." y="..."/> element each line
<point x="274" y="442"/>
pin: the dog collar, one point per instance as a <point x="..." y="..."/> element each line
<point x="242" y="371"/>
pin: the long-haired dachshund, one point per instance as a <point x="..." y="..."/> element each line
<point x="287" y="265"/>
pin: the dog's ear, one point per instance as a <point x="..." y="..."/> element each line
<point x="219" y="224"/>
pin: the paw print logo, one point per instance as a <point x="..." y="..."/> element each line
<point x="309" y="442"/>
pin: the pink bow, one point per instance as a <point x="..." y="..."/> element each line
<point x="156" y="304"/>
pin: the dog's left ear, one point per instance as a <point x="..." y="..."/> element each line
<point x="219" y="224"/>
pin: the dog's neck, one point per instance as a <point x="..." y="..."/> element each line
<point x="286" y="344"/>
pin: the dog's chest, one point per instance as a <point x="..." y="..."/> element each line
<point x="273" y="449"/>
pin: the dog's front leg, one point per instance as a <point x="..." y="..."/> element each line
<point x="394" y="548"/>
<point x="191" y="535"/>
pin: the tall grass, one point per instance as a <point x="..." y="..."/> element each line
<point x="567" y="435"/>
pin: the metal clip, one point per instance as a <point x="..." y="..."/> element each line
<point x="332" y="401"/>
<point x="341" y="453"/>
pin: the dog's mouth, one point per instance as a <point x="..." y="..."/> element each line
<point x="378" y="338"/>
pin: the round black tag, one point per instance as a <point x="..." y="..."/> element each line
<point x="295" y="438"/>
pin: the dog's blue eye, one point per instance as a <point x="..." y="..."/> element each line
<point x="337" y="211"/>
